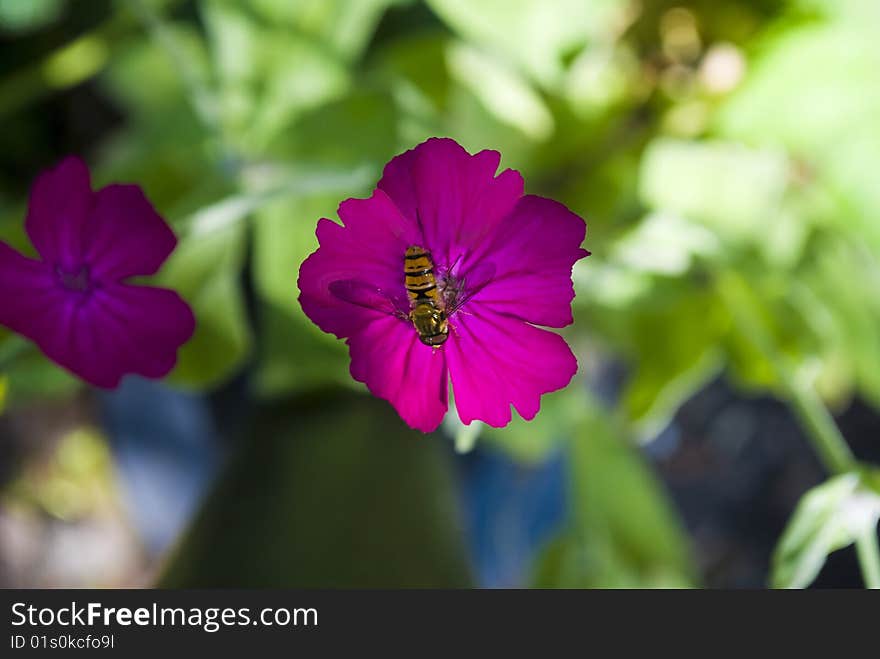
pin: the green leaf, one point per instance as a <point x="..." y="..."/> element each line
<point x="839" y="298"/>
<point x="267" y="74"/>
<point x="140" y="59"/>
<point x="768" y="325"/>
<point x="29" y="375"/>
<point x="343" y="25"/>
<point x="205" y="269"/>
<point x="532" y="441"/>
<point x="295" y="354"/>
<point x="501" y="91"/>
<point x="28" y="14"/>
<point x="828" y="517"/>
<point x="328" y="491"/>
<point x="664" y="244"/>
<point x="669" y="335"/>
<point x="736" y="191"/>
<point x="846" y="10"/>
<point x="795" y="94"/>
<point x="796" y="97"/>
<point x="624" y="531"/>
<point x="538" y="36"/>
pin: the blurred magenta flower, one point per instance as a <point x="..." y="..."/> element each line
<point x="444" y="272"/>
<point x="74" y="302"/>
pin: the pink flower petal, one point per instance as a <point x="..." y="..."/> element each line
<point x="99" y="335"/>
<point x="124" y="329"/>
<point x="496" y="361"/>
<point x="533" y="252"/>
<point x="456" y="197"/>
<point x="72" y="304"/>
<point x="124" y="236"/>
<point x="388" y="357"/>
<point x="31" y="295"/>
<point x="504" y="261"/>
<point x="60" y="203"/>
<point x="367" y="253"/>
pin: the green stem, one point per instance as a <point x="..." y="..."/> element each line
<point x="869" y="558"/>
<point x="821" y="430"/>
<point x="200" y="96"/>
<point x="817" y="422"/>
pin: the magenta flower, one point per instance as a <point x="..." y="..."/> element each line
<point x="444" y="273"/>
<point x="74" y="302"/>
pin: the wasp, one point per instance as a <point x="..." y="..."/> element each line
<point x="427" y="304"/>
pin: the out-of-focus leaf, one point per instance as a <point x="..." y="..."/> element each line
<point x="205" y="269"/>
<point x="168" y="149"/>
<point x="33" y="376"/>
<point x="861" y="11"/>
<point x="532" y="441"/>
<point x="3" y="387"/>
<point x="420" y="78"/>
<point x="357" y="131"/>
<point x="600" y="78"/>
<point x="669" y="336"/>
<point x="140" y="59"/>
<point x="665" y="244"/>
<point x="28" y="14"/>
<point x="267" y="75"/>
<point x="798" y="95"/>
<point x="768" y="327"/>
<point x="829" y="517"/>
<point x="295" y="354"/>
<point x="839" y="298"/>
<point x="27" y="374"/>
<point x="464" y="437"/>
<point x="673" y="352"/>
<point x="847" y="173"/>
<point x="734" y="190"/>
<point x="624" y="532"/>
<point x="501" y="90"/>
<point x="316" y="498"/>
<point x="345" y="26"/>
<point x="539" y="36"/>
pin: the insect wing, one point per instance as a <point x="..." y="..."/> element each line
<point x="470" y="285"/>
<point x="364" y="295"/>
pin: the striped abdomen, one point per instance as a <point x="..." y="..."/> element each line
<point x="421" y="286"/>
<point x="426" y="304"/>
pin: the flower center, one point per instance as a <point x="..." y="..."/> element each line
<point x="78" y="280"/>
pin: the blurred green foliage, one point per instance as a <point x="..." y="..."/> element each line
<point x="829" y="517"/>
<point x="318" y="498"/>
<point x="704" y="142"/>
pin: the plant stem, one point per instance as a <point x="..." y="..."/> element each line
<point x="869" y="558"/>
<point x="201" y="98"/>
<point x="817" y="422"/>
<point x="820" y="428"/>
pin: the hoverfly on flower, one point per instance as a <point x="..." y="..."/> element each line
<point x="445" y="273"/>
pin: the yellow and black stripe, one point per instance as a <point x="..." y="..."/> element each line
<point x="421" y="285"/>
<point x="426" y="304"/>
